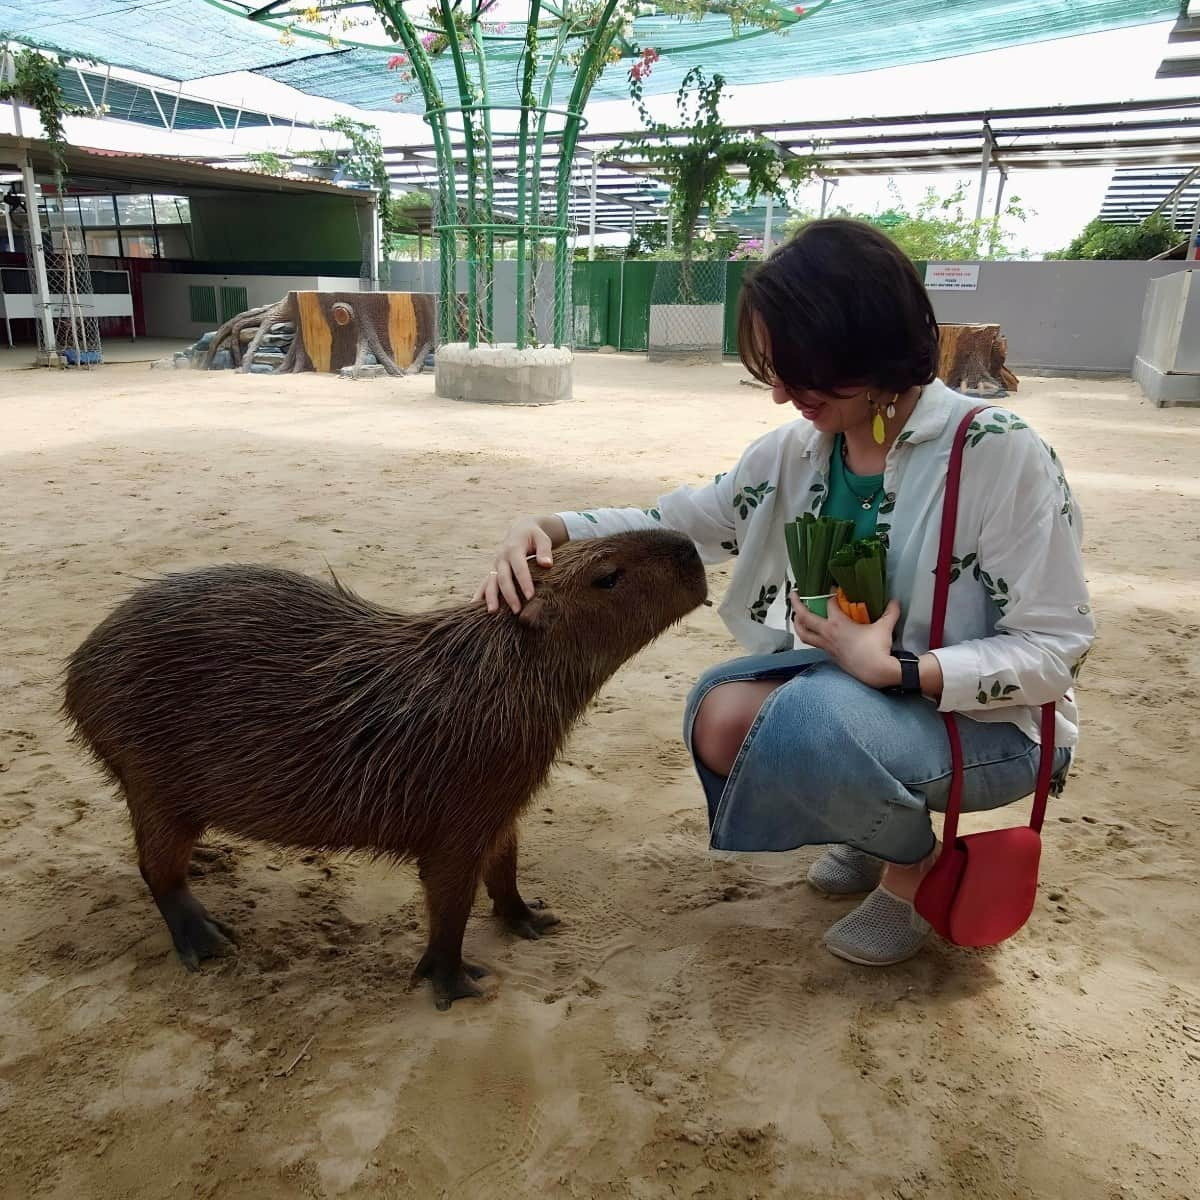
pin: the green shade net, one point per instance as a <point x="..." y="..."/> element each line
<point x="846" y="36"/>
<point x="173" y="39"/>
<point x="190" y="39"/>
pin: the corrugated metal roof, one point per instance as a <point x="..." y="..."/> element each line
<point x="130" y="171"/>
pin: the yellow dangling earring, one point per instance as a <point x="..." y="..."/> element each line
<point x="878" y="432"/>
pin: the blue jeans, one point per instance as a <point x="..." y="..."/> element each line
<point x="831" y="760"/>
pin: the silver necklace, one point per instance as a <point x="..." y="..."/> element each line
<point x="867" y="502"/>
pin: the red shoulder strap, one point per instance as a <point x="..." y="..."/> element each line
<point x="937" y="630"/>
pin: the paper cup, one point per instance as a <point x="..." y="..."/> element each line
<point x="817" y="605"/>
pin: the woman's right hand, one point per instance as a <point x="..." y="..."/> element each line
<point x="510" y="580"/>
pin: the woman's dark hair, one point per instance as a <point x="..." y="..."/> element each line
<point x="841" y="305"/>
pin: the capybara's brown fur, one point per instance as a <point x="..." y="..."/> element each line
<point x="279" y="707"/>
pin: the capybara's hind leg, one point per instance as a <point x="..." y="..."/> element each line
<point x="450" y="888"/>
<point x="164" y="852"/>
<point x="528" y="919"/>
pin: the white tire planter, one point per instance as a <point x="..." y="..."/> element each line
<point x="502" y="374"/>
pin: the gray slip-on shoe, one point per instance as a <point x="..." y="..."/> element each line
<point x="881" y="931"/>
<point x="845" y="871"/>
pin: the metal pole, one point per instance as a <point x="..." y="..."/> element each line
<point x="117" y="228"/>
<point x="525" y="92"/>
<point x="984" y="167"/>
<point x="621" y="306"/>
<point x="592" y="216"/>
<point x="12" y="245"/>
<point x="42" y="299"/>
<point x="767" y="225"/>
<point x="376" y="245"/>
<point x="670" y="223"/>
<point x="154" y="227"/>
<point x="1192" y="252"/>
<point x="87" y="91"/>
<point x="8" y="72"/>
<point x="996" y="221"/>
<point x="825" y="189"/>
<point x="162" y="114"/>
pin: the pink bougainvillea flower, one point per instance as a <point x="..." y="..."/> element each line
<point x="799" y="10"/>
<point x="397" y="60"/>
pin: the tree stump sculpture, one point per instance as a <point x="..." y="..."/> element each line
<point x="972" y="360"/>
<point x="329" y="331"/>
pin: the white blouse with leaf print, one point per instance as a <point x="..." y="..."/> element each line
<point x="1019" y="621"/>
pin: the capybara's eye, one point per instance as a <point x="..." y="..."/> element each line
<point x="610" y="580"/>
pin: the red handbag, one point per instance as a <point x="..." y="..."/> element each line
<point x="983" y="886"/>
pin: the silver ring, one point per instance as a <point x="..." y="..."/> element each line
<point x="493" y="572"/>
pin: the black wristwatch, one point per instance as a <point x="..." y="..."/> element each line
<point x="910" y="674"/>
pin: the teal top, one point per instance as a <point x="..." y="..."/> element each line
<point x="848" y="491"/>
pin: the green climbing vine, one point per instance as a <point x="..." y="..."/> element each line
<point x="363" y="160"/>
<point x="36" y="84"/>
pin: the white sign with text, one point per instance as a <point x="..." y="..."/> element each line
<point x="952" y="277"/>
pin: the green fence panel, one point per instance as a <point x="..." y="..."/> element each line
<point x="734" y="274"/>
<point x="595" y="297"/>
<point x="612" y="302"/>
<point x="637" y="284"/>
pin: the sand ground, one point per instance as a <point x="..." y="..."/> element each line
<point x="684" y="1033"/>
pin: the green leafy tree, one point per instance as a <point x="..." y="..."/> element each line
<point x="939" y="228"/>
<point x="1100" y="239"/>
<point x="697" y="165"/>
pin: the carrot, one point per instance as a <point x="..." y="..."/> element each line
<point x="855" y="610"/>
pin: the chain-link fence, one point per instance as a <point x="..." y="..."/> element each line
<point x="687" y="311"/>
<point x="70" y="296"/>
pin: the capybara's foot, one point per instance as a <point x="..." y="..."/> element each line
<point x="450" y="982"/>
<point x="196" y="934"/>
<point x="529" y="921"/>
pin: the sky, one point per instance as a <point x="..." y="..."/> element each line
<point x="1110" y="66"/>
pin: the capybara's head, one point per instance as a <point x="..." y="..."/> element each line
<point x="606" y="598"/>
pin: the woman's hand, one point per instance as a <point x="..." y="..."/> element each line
<point x="510" y="580"/>
<point x="864" y="651"/>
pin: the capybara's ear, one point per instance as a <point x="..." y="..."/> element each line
<point x="534" y="613"/>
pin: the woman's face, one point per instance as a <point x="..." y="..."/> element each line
<point x="830" y="412"/>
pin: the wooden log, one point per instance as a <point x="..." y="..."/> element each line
<point x="972" y="360"/>
<point x="332" y="325"/>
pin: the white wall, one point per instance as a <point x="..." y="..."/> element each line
<point x="167" y="305"/>
<point x="403" y="276"/>
<point x="1067" y="316"/>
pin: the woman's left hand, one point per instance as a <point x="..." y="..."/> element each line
<point x="864" y="651"/>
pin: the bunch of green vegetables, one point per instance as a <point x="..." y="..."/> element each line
<point x="811" y="543"/>
<point x="860" y="571"/>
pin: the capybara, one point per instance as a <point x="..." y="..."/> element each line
<point x="279" y="707"/>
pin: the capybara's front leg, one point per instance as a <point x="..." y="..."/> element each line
<point x="450" y="888"/>
<point x="529" y="920"/>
